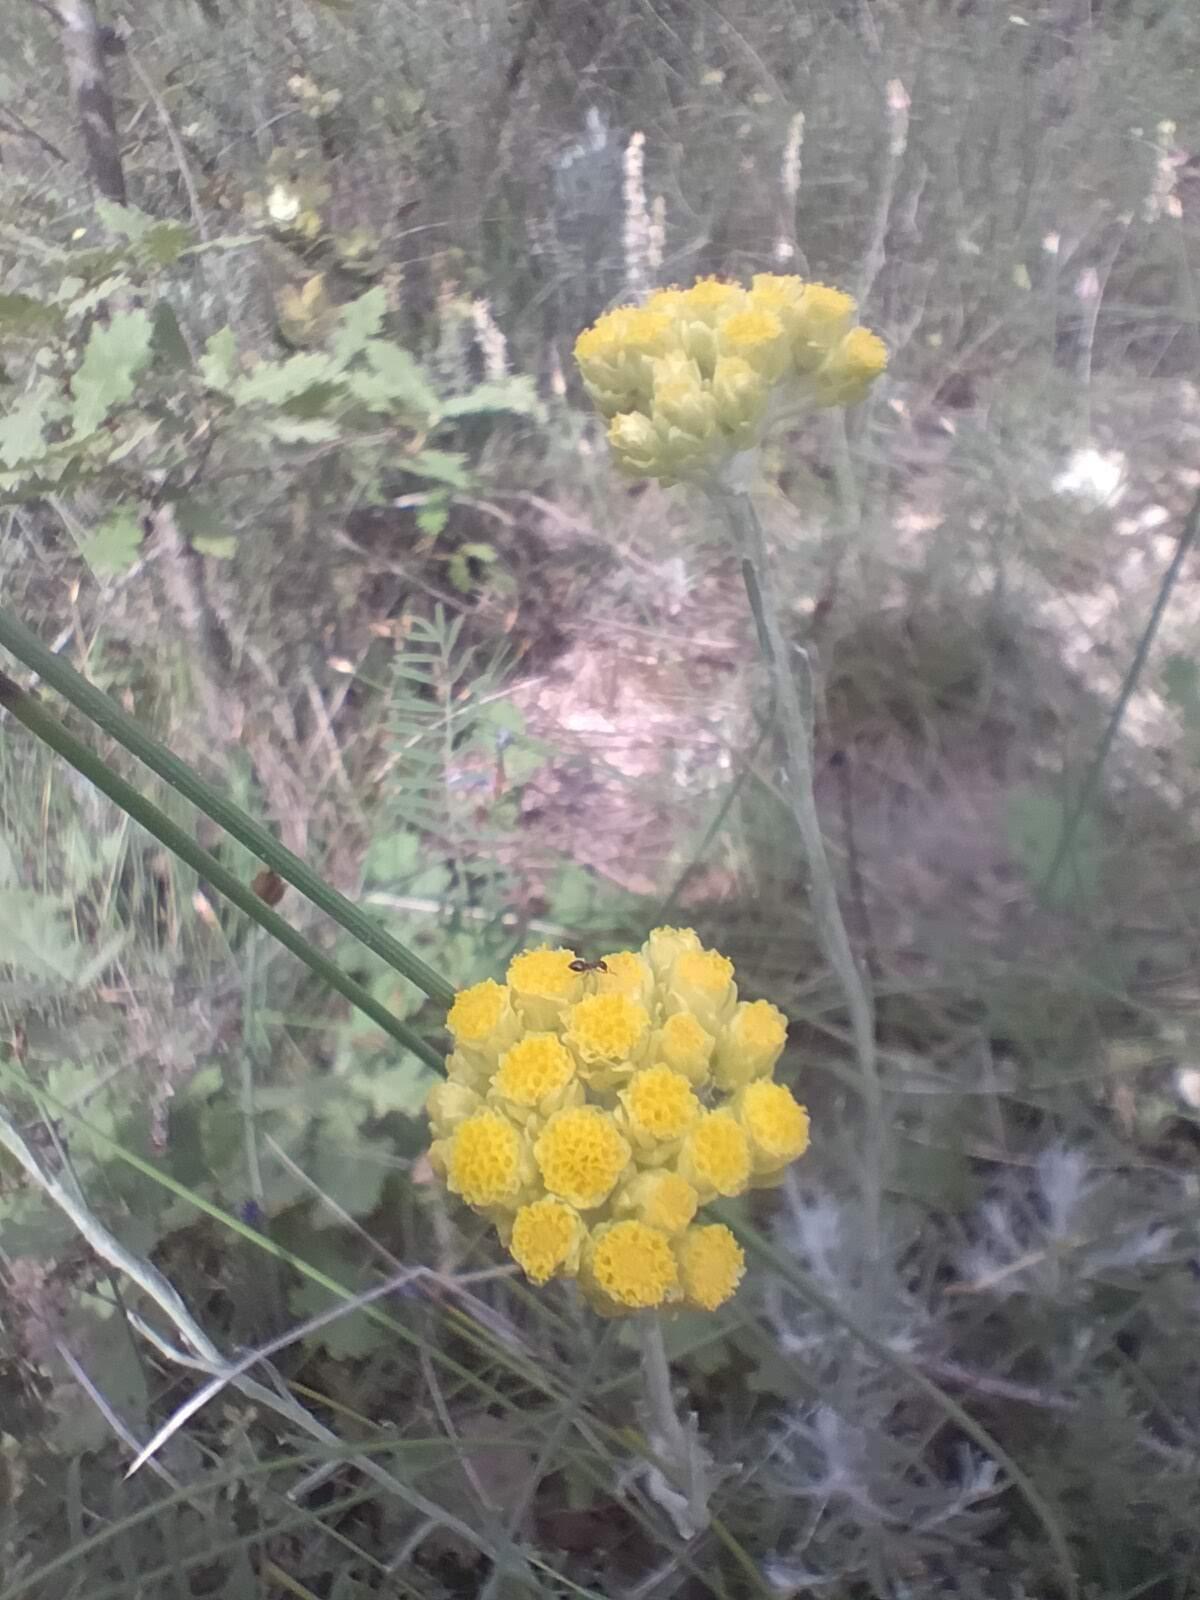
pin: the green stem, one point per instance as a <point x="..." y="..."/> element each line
<point x="668" y="1438"/>
<point x="105" y="714"/>
<point x="822" y="887"/>
<point x="45" y="726"/>
<point x="1087" y="793"/>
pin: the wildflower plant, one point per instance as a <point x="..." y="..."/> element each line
<point x="591" y="1114"/>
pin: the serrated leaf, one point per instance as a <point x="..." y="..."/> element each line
<point x="23" y="430"/>
<point x="169" y="344"/>
<point x="511" y="394"/>
<point x="349" y="1337"/>
<point x="433" y="515"/>
<point x="34" y="938"/>
<point x="125" y="221"/>
<point x="400" y="377"/>
<point x="21" y="313"/>
<point x="360" y="321"/>
<point x="218" y="364"/>
<point x="114" y="545"/>
<point x="107" y="375"/>
<point x="165" y="242"/>
<point x="441" y="466"/>
<point x="274" y="382"/>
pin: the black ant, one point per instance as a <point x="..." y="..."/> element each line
<point x="588" y="966"/>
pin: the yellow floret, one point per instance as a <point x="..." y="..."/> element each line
<point x="664" y="946"/>
<point x="849" y="371"/>
<point x="487" y="1161"/>
<point x="581" y="1154"/>
<point x="533" y="1070"/>
<point x="626" y="973"/>
<point x="630" y="1267"/>
<point x="710" y="299"/>
<point x="775" y="1123"/>
<point x="543" y="985"/>
<point x="757" y="337"/>
<point x="749" y="1045"/>
<point x="546" y="1239"/>
<point x="824" y="317"/>
<point x="448" y="1104"/>
<point x="477" y="1011"/>
<point x="701" y="982"/>
<point x="685" y="1047"/>
<point x="607" y="1034"/>
<point x="660" y="1198"/>
<point x="659" y="1106"/>
<point x="711" y="1265"/>
<point x="715" y="1158"/>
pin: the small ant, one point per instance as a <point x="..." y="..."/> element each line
<point x="588" y="966"/>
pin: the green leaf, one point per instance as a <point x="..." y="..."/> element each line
<point x="434" y="514"/>
<point x="1181" y="685"/>
<point x="165" y="242"/>
<point x="220" y="548"/>
<point x="22" y="429"/>
<point x="169" y="344"/>
<point x="21" y="313"/>
<point x="34" y="939"/>
<point x="107" y="375"/>
<point x="511" y="395"/>
<point x="398" y="379"/>
<point x="360" y="320"/>
<point x="114" y="545"/>
<point x="218" y="364"/>
<point x="1034" y="822"/>
<point x="127" y="222"/>
<point x="274" y="382"/>
<point x="441" y="466"/>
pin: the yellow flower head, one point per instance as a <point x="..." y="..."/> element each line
<point x="581" y="1154"/>
<point x="534" y="1075"/>
<point x="487" y="1161"/>
<point x="659" y="1107"/>
<point x="628" y="1266"/>
<point x="660" y="1198"/>
<point x="692" y="378"/>
<point x="823" y="318"/>
<point x="684" y="1046"/>
<point x="664" y="947"/>
<point x="846" y="374"/>
<point x="711" y="300"/>
<point x="701" y="982"/>
<point x="607" y="1034"/>
<point x="758" y="338"/>
<point x="749" y="1045"/>
<point x="715" y="1158"/>
<point x="711" y="1265"/>
<point x="741" y="395"/>
<point x="775" y="1123"/>
<point x="543" y="985"/>
<point x="482" y="1023"/>
<point x="547" y="1237"/>
<point x="626" y="973"/>
<point x="449" y="1103"/>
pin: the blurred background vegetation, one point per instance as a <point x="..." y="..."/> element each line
<point x="294" y="465"/>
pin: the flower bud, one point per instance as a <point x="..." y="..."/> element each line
<point x="740" y="395"/>
<point x="749" y="1045"/>
<point x="665" y="945"/>
<point x="846" y="375"/>
<point x="823" y="317"/>
<point x="701" y="982"/>
<point x="482" y="1023"/>
<point x="449" y="1103"/>
<point x="543" y="986"/>
<point x="660" y="1198"/>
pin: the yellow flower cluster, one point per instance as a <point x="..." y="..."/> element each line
<point x="695" y="375"/>
<point x="590" y="1111"/>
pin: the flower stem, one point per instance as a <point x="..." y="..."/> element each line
<point x="685" y="1494"/>
<point x="796" y="725"/>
